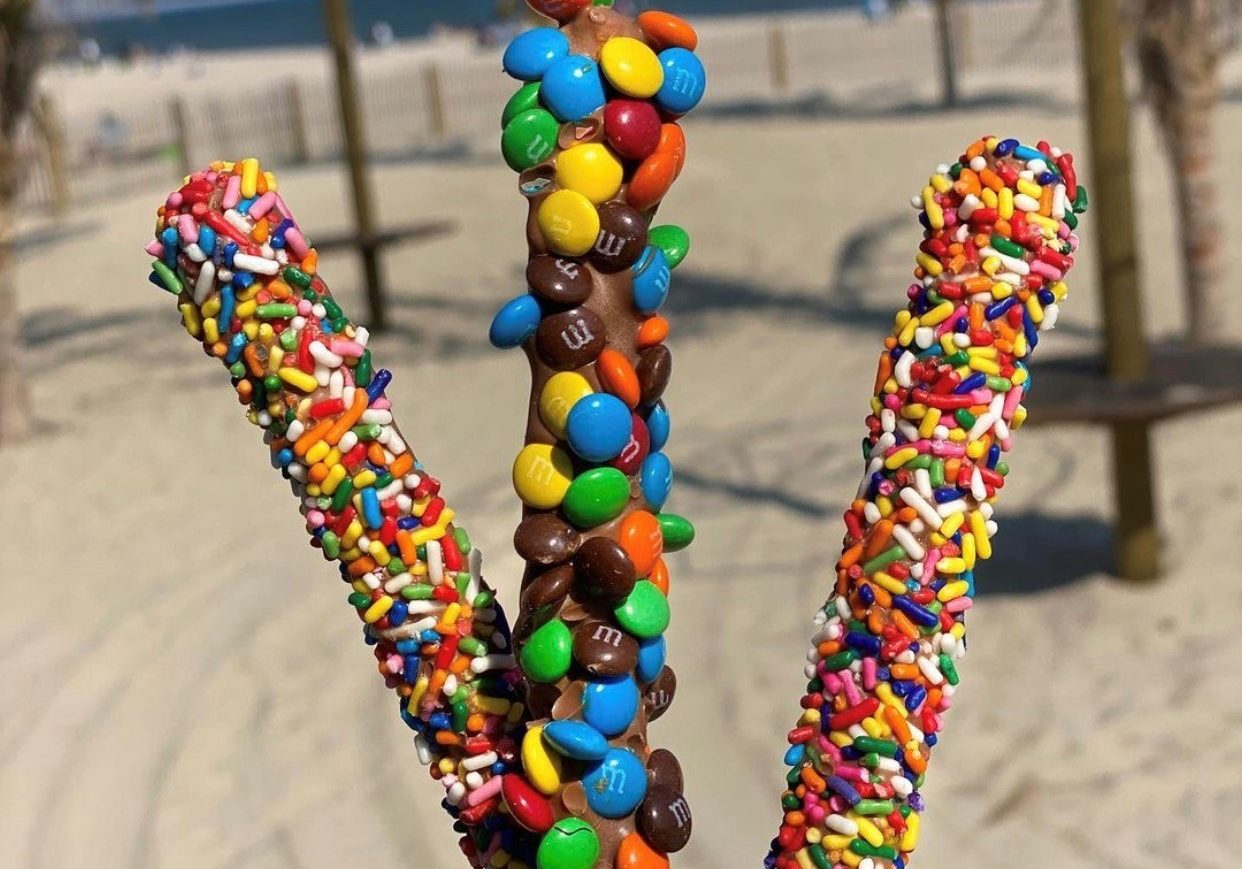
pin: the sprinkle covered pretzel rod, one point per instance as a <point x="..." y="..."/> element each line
<point x="998" y="240"/>
<point x="247" y="287"/>
<point x="594" y="137"/>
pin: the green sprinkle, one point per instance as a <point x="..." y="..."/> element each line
<point x="359" y="599"/>
<point x="936" y="473"/>
<point x="959" y="358"/>
<point x="865" y="849"/>
<point x="1071" y="220"/>
<point x="463" y="579"/>
<point x="950" y="671"/>
<point x="789" y="801"/>
<point x="331" y="544"/>
<point x="288" y="340"/>
<point x="417" y="592"/>
<point x="996" y="383"/>
<point x="1080" y="200"/>
<point x="383" y="480"/>
<point x="276" y="311"/>
<point x="840" y="660"/>
<point x="167" y="277"/>
<point x="483" y="599"/>
<point x="463" y="540"/>
<point x="332" y="309"/>
<point x="271" y="383"/>
<point x="921" y="462"/>
<point x="362" y="373"/>
<point x="1007" y="247"/>
<point x="871" y="745"/>
<point x="1002" y="468"/>
<point x="471" y="646"/>
<point x="297" y="277"/>
<point x="874" y="807"/>
<point x="367" y="431"/>
<point x="819" y="856"/>
<point x="884" y="559"/>
<point x="460" y="714"/>
<point x="395" y="566"/>
<point x="342" y="495"/>
<point x="964" y="418"/>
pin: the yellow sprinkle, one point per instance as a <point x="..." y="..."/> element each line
<point x="270" y="178"/>
<point x="1001" y="290"/>
<point x="491" y="705"/>
<point x="968" y="550"/>
<point x="422" y="535"/>
<point x="900" y="457"/>
<point x="975" y="449"/>
<point x="335" y="477"/>
<point x="849" y="858"/>
<point x="299" y="379"/>
<point x="245" y="309"/>
<point x="985" y="366"/>
<point x="938" y="314"/>
<point x="190" y="319"/>
<point x="1035" y="309"/>
<point x="931" y="419"/>
<point x="1030" y="188"/>
<point x="935" y="214"/>
<point x="211" y="332"/>
<point x="957" y="434"/>
<point x="958" y="630"/>
<point x="364" y="478"/>
<point x="251" y="328"/>
<point x="836" y="842"/>
<point x="377" y="610"/>
<point x="249" y="177"/>
<point x="989" y="197"/>
<point x="930" y="264"/>
<point x="990" y="265"/>
<point x="899" y="322"/>
<point x="868" y="830"/>
<point x="420" y="688"/>
<point x="942" y="183"/>
<point x="871" y="728"/>
<point x="839" y="739"/>
<point x="313" y="490"/>
<point x="275" y="356"/>
<point x="910" y="838"/>
<point x="907" y="334"/>
<point x="950" y="566"/>
<point x="979" y="530"/>
<point x="351" y="535"/>
<point x="803" y="856"/>
<point x="885" y="692"/>
<point x="952" y="590"/>
<point x="889" y="583"/>
<point x="318" y="452"/>
<point x="1004" y="204"/>
<point x="885" y="505"/>
<point x="1059" y="289"/>
<point x="379" y="552"/>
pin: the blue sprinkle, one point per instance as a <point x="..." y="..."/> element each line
<point x="379" y="382"/>
<point x="1026" y="152"/>
<point x="169" y="238"/>
<point x="284" y="457"/>
<point x="996" y="309"/>
<point x="916" y="698"/>
<point x="971" y="383"/>
<point x="1046" y="297"/>
<point x="230" y="251"/>
<point x="994" y="454"/>
<point x="946" y="494"/>
<point x="227" y="304"/>
<point x="398" y="613"/>
<point x="235" y="348"/>
<point x="1005" y="147"/>
<point x="864" y="642"/>
<point x="918" y="614"/>
<point x="371" y="508"/>
<point x="207" y="240"/>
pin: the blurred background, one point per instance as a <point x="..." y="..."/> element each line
<point x="182" y="684"/>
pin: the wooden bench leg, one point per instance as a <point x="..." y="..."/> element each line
<point x="1136" y="544"/>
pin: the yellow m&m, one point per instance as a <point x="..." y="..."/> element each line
<point x="569" y="222"/>
<point x="591" y="170"/>
<point x="562" y="391"/>
<point x="631" y="67"/>
<point x="541" y="476"/>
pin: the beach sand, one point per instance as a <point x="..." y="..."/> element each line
<point x="183" y="683"/>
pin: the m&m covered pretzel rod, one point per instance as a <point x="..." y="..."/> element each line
<point x="998" y="241"/>
<point x="594" y="137"/>
<point x="247" y="286"/>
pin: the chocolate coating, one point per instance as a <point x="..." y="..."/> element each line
<point x="559" y="280"/>
<point x="571" y="339"/>
<point x="622" y="237"/>
<point x="545" y="539"/>
<point x="604" y="650"/>
<point x="655" y="367"/>
<point x="604" y="570"/>
<point x="664" y="819"/>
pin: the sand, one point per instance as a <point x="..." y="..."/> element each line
<point x="183" y="683"/>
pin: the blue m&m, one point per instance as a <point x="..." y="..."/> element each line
<point x="573" y="88"/>
<point x="616" y="785"/>
<point x="575" y="739"/>
<point x="598" y="427"/>
<point x="515" y="322"/>
<point x="656" y="478"/>
<point x="530" y="55"/>
<point x="609" y="705"/>
<point x="658" y="426"/>
<point x="684" y="81"/>
<point x="651" y="280"/>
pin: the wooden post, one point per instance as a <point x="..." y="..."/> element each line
<point x="437" y="121"/>
<point x="299" y="143"/>
<point x="778" y="57"/>
<point x="1108" y="122"/>
<point x="948" y="56"/>
<point x="52" y="134"/>
<point x="340" y="34"/>
<point x="181" y="136"/>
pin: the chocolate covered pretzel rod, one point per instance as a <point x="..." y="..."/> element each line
<point x="247" y="286"/>
<point x="594" y="136"/>
<point x="998" y="240"/>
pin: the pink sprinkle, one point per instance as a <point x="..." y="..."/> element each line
<point x="315" y="519"/>
<point x="959" y="604"/>
<point x="947" y="448"/>
<point x="485" y="791"/>
<point x="816" y="813"/>
<point x="868" y="673"/>
<point x="282" y="208"/>
<point x="1012" y="399"/>
<point x="832" y="683"/>
<point x="187" y="227"/>
<point x="838" y="804"/>
<point x="304" y="307"/>
<point x="950" y="323"/>
<point x="1040" y="267"/>
<point x="849" y="772"/>
<point x="232" y="192"/>
<point x="982" y="395"/>
<point x="155" y="248"/>
<point x="343" y="347"/>
<point x="263" y="205"/>
<point x="929" y="566"/>
<point x="296" y="242"/>
<point x="174" y="200"/>
<point x="381" y="404"/>
<point x="850" y="690"/>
